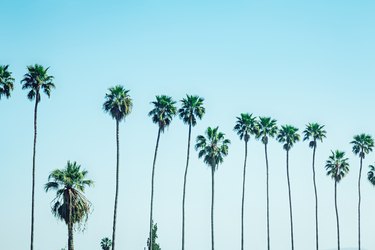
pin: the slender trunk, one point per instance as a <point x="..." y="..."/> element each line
<point x="337" y="218"/>
<point x="359" y="205"/>
<point x="70" y="224"/>
<point x="117" y="185"/>
<point x="152" y="187"/>
<point x="290" y="199"/>
<point x="316" y="201"/>
<point x="33" y="172"/>
<point x="268" y="200"/>
<point x="212" y="207"/>
<point x="184" y="191"/>
<point x="243" y="196"/>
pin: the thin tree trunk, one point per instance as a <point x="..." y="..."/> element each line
<point x="152" y="187"/>
<point x="359" y="206"/>
<point x="184" y="190"/>
<point x="268" y="200"/>
<point x="70" y="222"/>
<point x="33" y="172"/>
<point x="290" y="199"/>
<point x="212" y="207"/>
<point x="316" y="201"/>
<point x="337" y="218"/>
<point x="117" y="184"/>
<point x="243" y="197"/>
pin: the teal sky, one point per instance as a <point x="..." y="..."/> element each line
<point x="297" y="61"/>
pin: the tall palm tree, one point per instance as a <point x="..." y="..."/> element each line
<point x="315" y="132"/>
<point x="191" y="110"/>
<point x="267" y="129"/>
<point x="246" y="126"/>
<point x="162" y="114"/>
<point x="36" y="80"/>
<point x="106" y="243"/>
<point x="119" y="105"/>
<point x="362" y="145"/>
<point x="70" y="205"/>
<point x="6" y="81"/>
<point x="288" y="135"/>
<point x="213" y="148"/>
<point x="337" y="167"/>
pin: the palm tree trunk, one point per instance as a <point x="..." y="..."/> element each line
<point x="70" y="223"/>
<point x="268" y="200"/>
<point x="33" y="173"/>
<point x="152" y="187"/>
<point x="184" y="190"/>
<point x="243" y="196"/>
<point x="316" y="200"/>
<point x="290" y="199"/>
<point x="117" y="185"/>
<point x="337" y="218"/>
<point x="359" y="205"/>
<point x="212" y="207"/>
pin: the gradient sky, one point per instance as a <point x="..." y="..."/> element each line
<point x="297" y="61"/>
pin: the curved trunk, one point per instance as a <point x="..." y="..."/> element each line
<point x="152" y="188"/>
<point x="359" y="205"/>
<point x="184" y="190"/>
<point x="243" y="196"/>
<point x="212" y="206"/>
<point x="316" y="201"/>
<point x="290" y="200"/>
<point x="268" y="200"/>
<point x="117" y="185"/>
<point x="337" y="218"/>
<point x="70" y="225"/>
<point x="33" y="173"/>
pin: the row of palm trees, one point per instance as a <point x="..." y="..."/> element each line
<point x="71" y="206"/>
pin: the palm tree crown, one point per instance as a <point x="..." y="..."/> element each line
<point x="192" y="108"/>
<point x="118" y="102"/>
<point x="106" y="244"/>
<point x="246" y="125"/>
<point x="6" y="81"/>
<point x="362" y="145"/>
<point x="371" y="174"/>
<point x="337" y="165"/>
<point x="288" y="135"/>
<point x="163" y="111"/>
<point x="37" y="79"/>
<point x="267" y="128"/>
<point x="314" y="132"/>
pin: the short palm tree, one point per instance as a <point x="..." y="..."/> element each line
<point x="315" y="132"/>
<point x="119" y="105"/>
<point x="267" y="129"/>
<point x="36" y="80"/>
<point x="6" y="81"/>
<point x="70" y="205"/>
<point x="362" y="145"/>
<point x="371" y="174"/>
<point x="162" y="114"/>
<point x="337" y="167"/>
<point x="213" y="148"/>
<point x="191" y="110"/>
<point x="106" y="244"/>
<point x="288" y="136"/>
<point x="246" y="126"/>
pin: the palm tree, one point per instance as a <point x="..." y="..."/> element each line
<point x="70" y="205"/>
<point x="267" y="129"/>
<point x="213" y="148"/>
<point x="315" y="132"/>
<point x="337" y="167"/>
<point x="118" y="104"/>
<point x="362" y="145"/>
<point x="288" y="135"/>
<point x="162" y="114"/>
<point x="6" y="81"/>
<point x="106" y="243"/>
<point x="155" y="245"/>
<point x="36" y="80"/>
<point x="371" y="174"/>
<point x="192" y="108"/>
<point x="246" y="125"/>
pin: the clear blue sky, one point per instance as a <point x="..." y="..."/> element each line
<point x="297" y="61"/>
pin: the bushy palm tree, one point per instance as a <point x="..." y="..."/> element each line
<point x="70" y="205"/>
<point x="246" y="126"/>
<point x="371" y="174"/>
<point x="362" y="145"/>
<point x="191" y="110"/>
<point x="162" y="114"/>
<point x="106" y="243"/>
<point x="119" y="105"/>
<point x="337" y="167"/>
<point x="213" y="148"/>
<point x="6" y="81"/>
<point x="267" y="129"/>
<point x="315" y="132"/>
<point x="36" y="80"/>
<point x="288" y="136"/>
